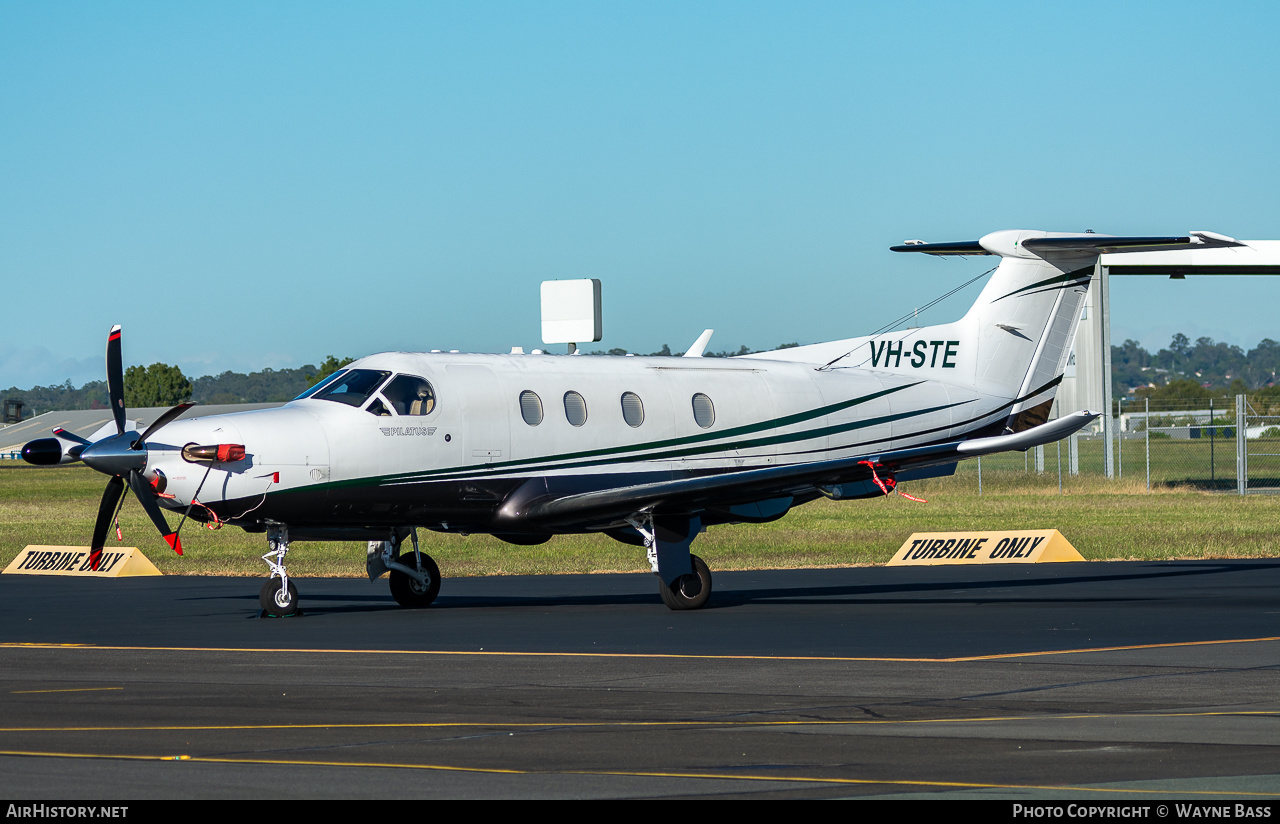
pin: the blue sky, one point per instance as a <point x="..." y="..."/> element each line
<point x="253" y="185"/>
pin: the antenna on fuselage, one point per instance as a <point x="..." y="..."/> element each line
<point x="700" y="345"/>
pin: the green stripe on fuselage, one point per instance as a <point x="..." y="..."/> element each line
<point x="808" y="434"/>
<point x="604" y="456"/>
<point x="616" y="454"/>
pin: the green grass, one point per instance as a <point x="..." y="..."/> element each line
<point x="1102" y="519"/>
<point x="1173" y="461"/>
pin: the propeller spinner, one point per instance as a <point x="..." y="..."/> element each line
<point x="123" y="456"/>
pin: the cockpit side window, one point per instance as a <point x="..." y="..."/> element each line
<point x="322" y="384"/>
<point x="354" y="388"/>
<point x="410" y="395"/>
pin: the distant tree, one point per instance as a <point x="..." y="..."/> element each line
<point x="327" y="368"/>
<point x="156" y="385"/>
<point x="742" y="350"/>
<point x="1130" y="366"/>
<point x="255" y="387"/>
<point x="1264" y="363"/>
<point x="1176" y="358"/>
<point x="1177" y="390"/>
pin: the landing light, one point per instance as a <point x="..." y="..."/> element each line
<point x="221" y="453"/>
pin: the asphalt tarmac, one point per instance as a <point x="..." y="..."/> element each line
<point x="1121" y="681"/>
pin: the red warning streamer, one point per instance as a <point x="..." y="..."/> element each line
<point x="888" y="485"/>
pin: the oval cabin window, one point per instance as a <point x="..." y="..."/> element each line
<point x="704" y="412"/>
<point x="632" y="409"/>
<point x="575" y="408"/>
<point x="530" y="407"/>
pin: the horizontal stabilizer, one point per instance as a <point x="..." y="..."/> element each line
<point x="1109" y="244"/>
<point x="955" y="247"/>
<point x="1040" y="243"/>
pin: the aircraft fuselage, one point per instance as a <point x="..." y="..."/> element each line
<point x="589" y="423"/>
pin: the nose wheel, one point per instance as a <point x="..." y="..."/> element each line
<point x="278" y="598"/>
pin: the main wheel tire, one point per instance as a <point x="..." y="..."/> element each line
<point x="275" y="601"/>
<point x="410" y="593"/>
<point x="688" y="591"/>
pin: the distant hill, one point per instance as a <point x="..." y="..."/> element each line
<point x="1206" y="363"/>
<point x="230" y="387"/>
<point x="1209" y="364"/>
<point x="256" y="387"/>
<point x="267" y="386"/>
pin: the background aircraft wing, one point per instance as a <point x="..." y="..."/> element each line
<point x="745" y="486"/>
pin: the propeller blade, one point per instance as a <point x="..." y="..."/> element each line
<point x="106" y="511"/>
<point x="70" y="436"/>
<point x="166" y="418"/>
<point x="147" y="497"/>
<point x="115" y="378"/>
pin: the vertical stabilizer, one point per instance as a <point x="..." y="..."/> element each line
<point x="1014" y="341"/>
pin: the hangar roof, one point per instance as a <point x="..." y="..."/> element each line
<point x="1256" y="257"/>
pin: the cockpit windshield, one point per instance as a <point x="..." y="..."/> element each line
<point x="353" y="388"/>
<point x="322" y="384"/>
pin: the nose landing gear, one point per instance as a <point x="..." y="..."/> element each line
<point x="278" y="596"/>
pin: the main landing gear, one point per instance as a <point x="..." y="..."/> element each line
<point x="414" y="577"/>
<point x="688" y="591"/>
<point x="684" y="581"/>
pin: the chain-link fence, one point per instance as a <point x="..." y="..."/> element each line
<point x="1228" y="444"/>
<point x="1262" y="451"/>
<point x="1183" y="443"/>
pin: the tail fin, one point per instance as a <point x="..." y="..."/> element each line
<point x="1014" y="341"/>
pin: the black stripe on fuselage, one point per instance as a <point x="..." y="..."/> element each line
<point x="972" y="433"/>
<point x="1079" y="277"/>
<point x="616" y="454"/>
<point x="468" y="504"/>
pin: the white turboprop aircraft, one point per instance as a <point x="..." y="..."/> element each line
<point x="648" y="450"/>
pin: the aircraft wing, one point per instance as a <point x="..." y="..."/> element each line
<point x="692" y="494"/>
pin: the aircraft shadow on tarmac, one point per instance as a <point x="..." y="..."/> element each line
<point x="875" y="593"/>
<point x="1019" y="589"/>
